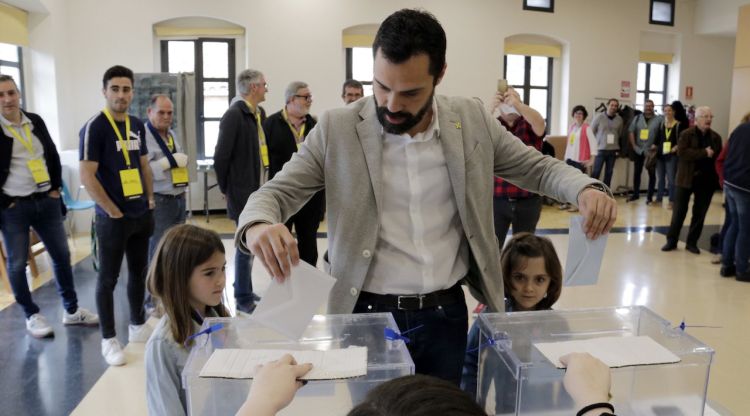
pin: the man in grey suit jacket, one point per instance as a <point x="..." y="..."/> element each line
<point x="409" y="183"/>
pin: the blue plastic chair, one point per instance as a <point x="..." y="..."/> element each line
<point x="74" y="205"/>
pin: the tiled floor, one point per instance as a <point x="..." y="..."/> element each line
<point x="56" y="375"/>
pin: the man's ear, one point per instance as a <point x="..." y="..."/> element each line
<point x="441" y="75"/>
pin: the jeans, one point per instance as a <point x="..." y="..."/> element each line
<point x="702" y="200"/>
<point x="243" y="282"/>
<point x="640" y="161"/>
<point x="666" y="170"/>
<point x="169" y="211"/>
<point x="604" y="157"/>
<point x="117" y="237"/>
<point x="736" y="245"/>
<point x="523" y="214"/>
<point x="45" y="216"/>
<point x="438" y="347"/>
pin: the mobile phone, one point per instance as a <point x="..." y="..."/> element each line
<point x="502" y="85"/>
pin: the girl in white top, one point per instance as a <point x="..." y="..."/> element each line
<point x="187" y="277"/>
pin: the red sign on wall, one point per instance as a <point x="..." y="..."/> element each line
<point x="625" y="89"/>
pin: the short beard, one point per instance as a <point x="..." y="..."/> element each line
<point x="410" y="120"/>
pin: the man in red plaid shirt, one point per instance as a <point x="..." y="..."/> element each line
<point x="513" y="205"/>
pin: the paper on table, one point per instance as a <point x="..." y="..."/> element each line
<point x="585" y="256"/>
<point x="289" y="307"/>
<point x="613" y="351"/>
<point x="327" y="365"/>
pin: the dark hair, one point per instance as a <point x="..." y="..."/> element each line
<point x="579" y="108"/>
<point x="351" y="83"/>
<point x="613" y="99"/>
<point x="409" y="32"/>
<point x="523" y="246"/>
<point x="4" y="78"/>
<point x="183" y="248"/>
<point x="680" y="114"/>
<point x="417" y="395"/>
<point x="117" y="71"/>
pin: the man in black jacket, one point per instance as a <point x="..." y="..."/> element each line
<point x="241" y="165"/>
<point x="30" y="184"/>
<point x="286" y="130"/>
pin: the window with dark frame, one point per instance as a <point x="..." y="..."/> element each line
<point x="531" y="77"/>
<point x="539" y="5"/>
<point x="651" y="84"/>
<point x="359" y="62"/>
<point x="11" y="63"/>
<point x="212" y="61"/>
<point x="661" y="12"/>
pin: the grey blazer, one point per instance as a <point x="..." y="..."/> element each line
<point x="343" y="155"/>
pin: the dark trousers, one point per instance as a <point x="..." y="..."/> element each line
<point x="640" y="161"/>
<point x="117" y="238"/>
<point x="438" y="347"/>
<point x="523" y="214"/>
<point x="306" y="222"/>
<point x="45" y="217"/>
<point x="606" y="159"/>
<point x="701" y="201"/>
<point x="243" y="279"/>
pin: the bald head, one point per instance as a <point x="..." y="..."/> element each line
<point x="160" y="112"/>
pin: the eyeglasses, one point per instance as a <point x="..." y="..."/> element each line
<point x="264" y="85"/>
<point x="307" y="98"/>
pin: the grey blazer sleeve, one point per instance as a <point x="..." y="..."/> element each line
<point x="300" y="178"/>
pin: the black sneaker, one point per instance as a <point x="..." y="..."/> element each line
<point x="743" y="277"/>
<point x="693" y="249"/>
<point x="632" y="198"/>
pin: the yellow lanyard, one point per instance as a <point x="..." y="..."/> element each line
<point x="668" y="130"/>
<point x="298" y="135"/>
<point x="170" y="144"/>
<point x="261" y="134"/>
<point x="123" y="143"/>
<point x="29" y="145"/>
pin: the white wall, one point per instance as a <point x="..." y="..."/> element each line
<point x="296" y="39"/>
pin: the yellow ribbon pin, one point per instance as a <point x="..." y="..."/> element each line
<point x="458" y="125"/>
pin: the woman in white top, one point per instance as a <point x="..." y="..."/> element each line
<point x="580" y="150"/>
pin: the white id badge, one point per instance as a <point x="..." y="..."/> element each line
<point x="610" y="138"/>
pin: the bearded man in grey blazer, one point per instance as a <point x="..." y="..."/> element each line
<point x="409" y="183"/>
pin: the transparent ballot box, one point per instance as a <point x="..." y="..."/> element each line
<point x="516" y="379"/>
<point x="386" y="359"/>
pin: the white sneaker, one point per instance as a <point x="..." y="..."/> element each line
<point x="112" y="351"/>
<point x="80" y="317"/>
<point x="38" y="327"/>
<point x="139" y="333"/>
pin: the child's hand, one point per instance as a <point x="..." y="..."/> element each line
<point x="274" y="386"/>
<point x="587" y="379"/>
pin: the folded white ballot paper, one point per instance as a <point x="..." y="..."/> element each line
<point x="326" y="365"/>
<point x="585" y="256"/>
<point x="613" y="351"/>
<point x="288" y="307"/>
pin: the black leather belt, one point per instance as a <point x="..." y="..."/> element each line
<point x="31" y="197"/>
<point x="416" y="302"/>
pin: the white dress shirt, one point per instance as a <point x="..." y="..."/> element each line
<point x="421" y="244"/>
